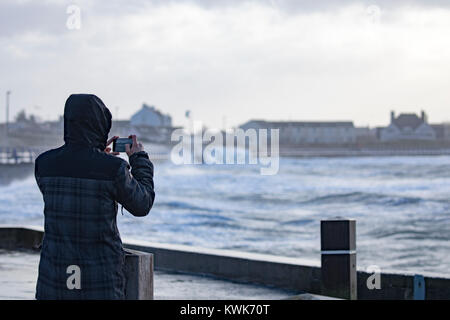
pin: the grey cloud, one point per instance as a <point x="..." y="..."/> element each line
<point x="287" y="5"/>
<point x="308" y="5"/>
<point x="50" y="17"/>
<point x="23" y="17"/>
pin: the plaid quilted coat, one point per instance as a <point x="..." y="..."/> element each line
<point x="82" y="187"/>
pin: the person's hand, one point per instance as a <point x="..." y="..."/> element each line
<point x="135" y="147"/>
<point x="108" y="149"/>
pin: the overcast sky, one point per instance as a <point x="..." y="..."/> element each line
<point x="230" y="60"/>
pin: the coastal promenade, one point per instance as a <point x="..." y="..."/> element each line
<point x="336" y="276"/>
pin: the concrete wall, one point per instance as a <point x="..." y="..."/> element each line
<point x="281" y="272"/>
<point x="13" y="237"/>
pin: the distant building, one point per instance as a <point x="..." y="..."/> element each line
<point x="366" y="135"/>
<point x="149" y="116"/>
<point x="308" y="132"/>
<point x="407" y="126"/>
<point x="442" y="131"/>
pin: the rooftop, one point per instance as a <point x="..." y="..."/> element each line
<point x="410" y="120"/>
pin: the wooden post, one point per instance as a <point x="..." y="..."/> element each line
<point x="338" y="245"/>
<point x="139" y="275"/>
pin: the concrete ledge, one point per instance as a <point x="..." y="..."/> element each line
<point x="280" y="272"/>
<point x="308" y="296"/>
<point x="401" y="287"/>
<point x="20" y="237"/>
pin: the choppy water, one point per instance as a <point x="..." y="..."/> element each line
<point x="401" y="204"/>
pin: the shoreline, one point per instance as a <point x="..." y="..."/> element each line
<point x="345" y="153"/>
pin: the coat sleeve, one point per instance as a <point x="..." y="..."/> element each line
<point x="135" y="191"/>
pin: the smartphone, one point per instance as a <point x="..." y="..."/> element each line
<point x="119" y="144"/>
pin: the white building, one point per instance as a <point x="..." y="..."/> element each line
<point x="407" y="126"/>
<point x="308" y="132"/>
<point x="149" y="116"/>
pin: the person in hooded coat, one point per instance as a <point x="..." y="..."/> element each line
<point x="82" y="185"/>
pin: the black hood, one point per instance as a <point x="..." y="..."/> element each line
<point x="87" y="121"/>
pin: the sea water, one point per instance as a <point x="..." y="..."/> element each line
<point x="401" y="205"/>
